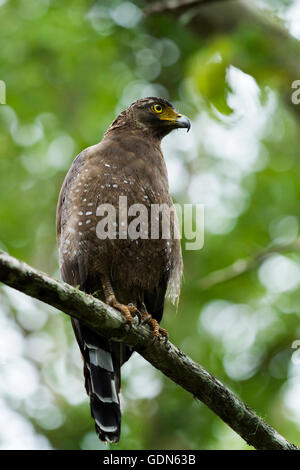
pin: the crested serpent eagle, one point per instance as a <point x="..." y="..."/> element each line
<point x="131" y="273"/>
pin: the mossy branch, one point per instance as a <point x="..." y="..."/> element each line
<point x="161" y="354"/>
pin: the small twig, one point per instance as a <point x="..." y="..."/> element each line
<point x="243" y="265"/>
<point x="172" y="5"/>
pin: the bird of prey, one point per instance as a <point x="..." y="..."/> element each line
<point x="132" y="274"/>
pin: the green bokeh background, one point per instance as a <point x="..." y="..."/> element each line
<point x="69" y="69"/>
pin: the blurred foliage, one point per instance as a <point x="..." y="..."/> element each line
<point x="68" y="71"/>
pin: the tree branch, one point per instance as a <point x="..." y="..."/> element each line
<point x="172" y="5"/>
<point x="161" y="354"/>
<point x="209" y="19"/>
<point x="244" y="265"/>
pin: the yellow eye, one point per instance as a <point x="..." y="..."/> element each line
<point x="157" y="108"/>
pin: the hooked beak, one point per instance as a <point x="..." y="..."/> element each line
<point x="183" y="121"/>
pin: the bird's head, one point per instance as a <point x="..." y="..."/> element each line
<point x="155" y="116"/>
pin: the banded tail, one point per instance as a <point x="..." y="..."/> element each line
<point x="102" y="363"/>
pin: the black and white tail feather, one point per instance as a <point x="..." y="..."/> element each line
<point x="102" y="363"/>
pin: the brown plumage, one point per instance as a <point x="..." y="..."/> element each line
<point x="129" y="274"/>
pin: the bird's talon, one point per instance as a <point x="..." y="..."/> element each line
<point x="158" y="332"/>
<point x="146" y="319"/>
<point x="163" y="332"/>
<point x="132" y="309"/>
<point x="127" y="311"/>
<point x="139" y="315"/>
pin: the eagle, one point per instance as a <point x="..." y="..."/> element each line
<point x="130" y="270"/>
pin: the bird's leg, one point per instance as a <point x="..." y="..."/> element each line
<point x="128" y="311"/>
<point x="147" y="318"/>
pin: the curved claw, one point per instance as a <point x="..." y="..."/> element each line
<point x="133" y="309"/>
<point x="138" y="314"/>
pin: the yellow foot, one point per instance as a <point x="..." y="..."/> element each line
<point x="157" y="330"/>
<point x="128" y="311"/>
